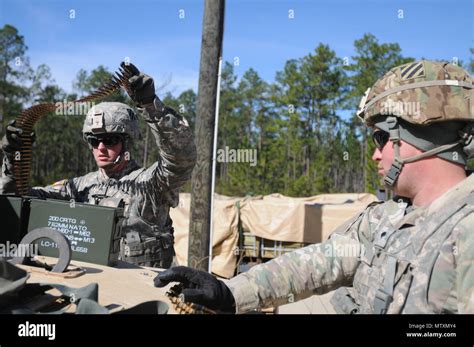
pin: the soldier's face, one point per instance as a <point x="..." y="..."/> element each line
<point x="410" y="172"/>
<point x="104" y="156"/>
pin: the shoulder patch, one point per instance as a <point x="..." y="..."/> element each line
<point x="59" y="184"/>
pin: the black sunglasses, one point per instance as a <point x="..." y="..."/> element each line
<point x="107" y="140"/>
<point x="380" y="138"/>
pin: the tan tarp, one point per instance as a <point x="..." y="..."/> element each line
<point x="225" y="238"/>
<point x="307" y="220"/>
<point x="275" y="217"/>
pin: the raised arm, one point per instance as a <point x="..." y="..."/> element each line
<point x="174" y="138"/>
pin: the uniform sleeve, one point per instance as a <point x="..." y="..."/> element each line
<point x="59" y="190"/>
<point x="315" y="269"/>
<point x="177" y="151"/>
<point x="465" y="265"/>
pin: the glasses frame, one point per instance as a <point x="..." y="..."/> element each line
<point x="109" y="141"/>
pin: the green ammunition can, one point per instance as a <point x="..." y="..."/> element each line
<point x="93" y="231"/>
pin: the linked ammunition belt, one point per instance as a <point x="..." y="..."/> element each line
<point x="27" y="119"/>
<point x="182" y="307"/>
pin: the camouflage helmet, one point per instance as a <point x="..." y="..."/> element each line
<point x="410" y="102"/>
<point x="111" y="117"/>
<point x="421" y="92"/>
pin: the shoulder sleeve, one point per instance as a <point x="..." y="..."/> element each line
<point x="58" y="190"/>
<point x="66" y="189"/>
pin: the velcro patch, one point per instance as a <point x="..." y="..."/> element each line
<point x="98" y="122"/>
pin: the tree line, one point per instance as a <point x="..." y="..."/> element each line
<point x="304" y="144"/>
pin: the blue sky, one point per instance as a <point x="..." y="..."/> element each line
<point x="259" y="33"/>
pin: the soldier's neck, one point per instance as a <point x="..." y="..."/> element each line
<point x="113" y="170"/>
<point x="431" y="188"/>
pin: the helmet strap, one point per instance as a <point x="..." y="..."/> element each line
<point x="121" y="157"/>
<point x="398" y="163"/>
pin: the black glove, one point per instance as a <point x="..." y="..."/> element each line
<point x="12" y="141"/>
<point x="199" y="287"/>
<point x="142" y="86"/>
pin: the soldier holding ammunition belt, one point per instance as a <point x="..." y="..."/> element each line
<point x="147" y="193"/>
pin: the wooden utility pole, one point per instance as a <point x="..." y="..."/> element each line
<point x="201" y="193"/>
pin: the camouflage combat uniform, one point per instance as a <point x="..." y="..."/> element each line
<point x="148" y="193"/>
<point x="399" y="259"/>
<point x="393" y="257"/>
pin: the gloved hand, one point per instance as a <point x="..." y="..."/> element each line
<point x="142" y="86"/>
<point x="11" y="141"/>
<point x="199" y="287"/>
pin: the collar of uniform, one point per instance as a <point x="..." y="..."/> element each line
<point x="412" y="215"/>
<point x="395" y="211"/>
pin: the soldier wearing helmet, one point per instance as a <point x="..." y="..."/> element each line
<point x="411" y="254"/>
<point x="109" y="129"/>
<point x="146" y="194"/>
<point x="427" y="105"/>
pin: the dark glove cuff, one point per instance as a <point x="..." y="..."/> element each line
<point x="227" y="299"/>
